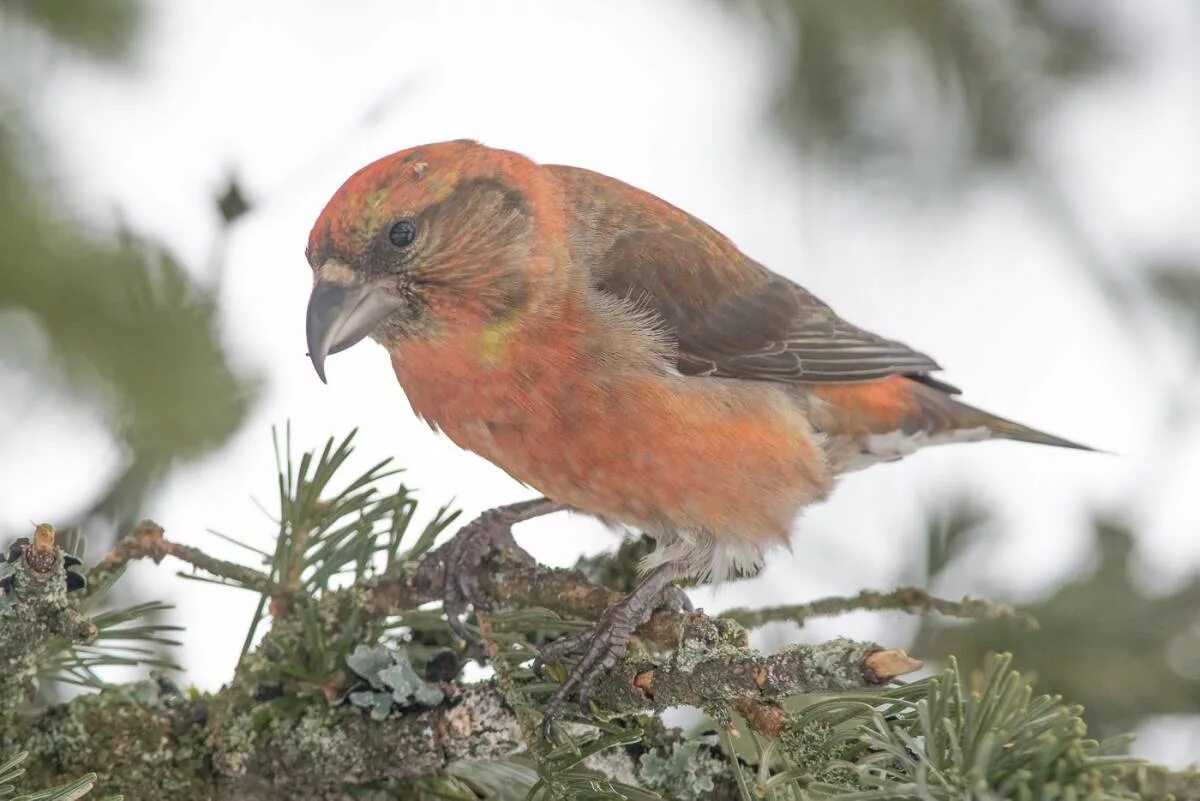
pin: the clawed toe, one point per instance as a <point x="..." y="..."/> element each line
<point x="462" y="567"/>
<point x="463" y="561"/>
<point x="466" y="569"/>
<point x="601" y="647"/>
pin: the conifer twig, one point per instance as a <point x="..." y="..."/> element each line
<point x="913" y="600"/>
<point x="147" y="542"/>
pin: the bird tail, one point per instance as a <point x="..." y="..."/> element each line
<point x="1007" y="429"/>
<point x="937" y="412"/>
<point x="884" y="420"/>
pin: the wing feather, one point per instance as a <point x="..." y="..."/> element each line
<point x="734" y="318"/>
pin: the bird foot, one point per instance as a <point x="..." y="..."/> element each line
<point x="463" y="561"/>
<point x="605" y="643"/>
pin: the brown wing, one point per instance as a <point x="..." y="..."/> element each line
<point x="732" y="317"/>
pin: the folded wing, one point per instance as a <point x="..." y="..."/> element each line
<point x="732" y="317"/>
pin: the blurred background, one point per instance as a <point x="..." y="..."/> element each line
<point x="1010" y="185"/>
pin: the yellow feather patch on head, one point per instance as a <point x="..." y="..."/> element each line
<point x="439" y="183"/>
<point x="372" y="214"/>
<point x="379" y="205"/>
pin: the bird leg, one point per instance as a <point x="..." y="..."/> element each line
<point x="603" y="645"/>
<point x="462" y="561"/>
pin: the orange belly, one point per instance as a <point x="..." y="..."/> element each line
<point x="734" y="460"/>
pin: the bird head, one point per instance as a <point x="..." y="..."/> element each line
<point x="424" y="240"/>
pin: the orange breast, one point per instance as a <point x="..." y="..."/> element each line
<point x="639" y="445"/>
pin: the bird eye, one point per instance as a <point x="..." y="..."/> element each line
<point x="403" y="233"/>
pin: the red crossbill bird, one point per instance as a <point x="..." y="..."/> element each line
<point x="620" y="356"/>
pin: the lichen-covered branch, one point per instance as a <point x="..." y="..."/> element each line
<point x="516" y="583"/>
<point x="713" y="667"/>
<point x="35" y="612"/>
<point x="1154" y="781"/>
<point x="913" y="600"/>
<point x="150" y="744"/>
<point x="159" y="744"/>
<point x="275" y="732"/>
<point x="149" y="741"/>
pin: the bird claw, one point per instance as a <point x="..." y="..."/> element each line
<point x="463" y="561"/>
<point x="465" y="564"/>
<point x="603" y="645"/>
<point x="600" y="648"/>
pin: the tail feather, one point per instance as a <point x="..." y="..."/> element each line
<point x="888" y="419"/>
<point x="938" y="412"/>
<point x="1007" y="429"/>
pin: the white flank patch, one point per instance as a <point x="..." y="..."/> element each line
<point x="894" y="445"/>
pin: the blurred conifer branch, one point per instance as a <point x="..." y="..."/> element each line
<point x="105" y="317"/>
<point x="940" y="97"/>
<point x="978" y="77"/>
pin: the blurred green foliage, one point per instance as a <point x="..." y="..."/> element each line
<point x="98" y="29"/>
<point x="1118" y="647"/>
<point x="110" y="318"/>
<point x="925" y="87"/>
<point x="1177" y="284"/>
<point x="934" y="95"/>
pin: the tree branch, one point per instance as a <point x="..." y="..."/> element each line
<point x="913" y="600"/>
<point x="157" y="742"/>
<point x="516" y="583"/>
<point x="34" y="613"/>
<point x="150" y="744"/>
<point x="147" y="542"/>
<point x="268" y="736"/>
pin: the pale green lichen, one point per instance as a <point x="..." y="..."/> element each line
<point x="708" y="639"/>
<point x="832" y="666"/>
<point x="687" y="771"/>
<point x="154" y="749"/>
<point x="814" y="749"/>
<point x="394" y="685"/>
<point x="36" y="615"/>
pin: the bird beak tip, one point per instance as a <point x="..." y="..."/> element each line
<point x="319" y="368"/>
<point x="341" y="314"/>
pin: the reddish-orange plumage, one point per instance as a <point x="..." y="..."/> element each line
<point x="620" y="355"/>
<point x="616" y="353"/>
<point x="870" y="407"/>
<point x="628" y="444"/>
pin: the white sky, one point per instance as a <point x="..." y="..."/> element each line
<point x="668" y="96"/>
